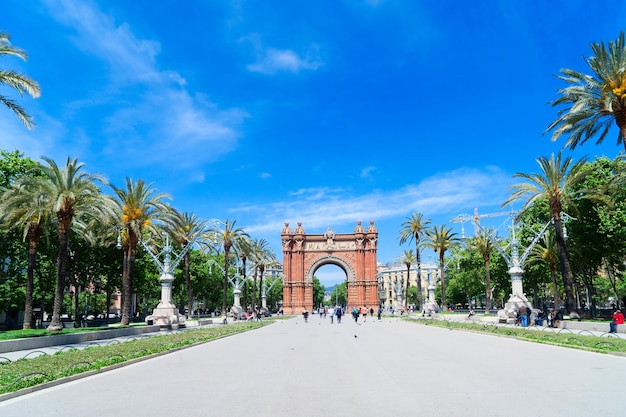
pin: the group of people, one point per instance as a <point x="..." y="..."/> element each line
<point x="527" y="316"/>
<point x="337" y="312"/>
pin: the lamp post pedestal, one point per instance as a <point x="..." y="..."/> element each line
<point x="166" y="314"/>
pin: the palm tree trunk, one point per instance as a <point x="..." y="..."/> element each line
<point x="225" y="291"/>
<point x="245" y="284"/>
<point x="63" y="231"/>
<point x="254" y="290"/>
<point x="444" y="304"/>
<point x="34" y="235"/>
<point x="188" y="283"/>
<point x="566" y="272"/>
<point x="262" y="270"/>
<point x="408" y="282"/>
<point x="487" y="286"/>
<point x="419" y="278"/>
<point x="555" y="288"/>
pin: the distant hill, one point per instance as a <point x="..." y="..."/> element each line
<point x="329" y="290"/>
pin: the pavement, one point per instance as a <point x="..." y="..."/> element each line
<point x="376" y="368"/>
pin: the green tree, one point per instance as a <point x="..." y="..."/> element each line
<point x="25" y="206"/>
<point x="593" y="102"/>
<point x="546" y="252"/>
<point x="318" y="292"/>
<point x="408" y="259"/>
<point x="19" y="212"/>
<point x="339" y="295"/>
<point x="228" y="236"/>
<point x="483" y="246"/>
<point x="137" y="207"/>
<point x="186" y="228"/>
<point x="19" y="82"/>
<point x="71" y="195"/>
<point x="14" y="165"/>
<point x="554" y="184"/>
<point x="440" y="239"/>
<point x="413" y="229"/>
<point x="262" y="257"/>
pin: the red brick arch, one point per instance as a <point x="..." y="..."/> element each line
<point x="354" y="253"/>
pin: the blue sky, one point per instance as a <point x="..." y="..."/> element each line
<point x="324" y="112"/>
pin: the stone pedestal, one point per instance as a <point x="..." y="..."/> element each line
<point x="166" y="314"/>
<point x="431" y="308"/>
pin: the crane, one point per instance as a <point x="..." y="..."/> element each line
<point x="462" y="218"/>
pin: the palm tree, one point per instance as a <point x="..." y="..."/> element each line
<point x="594" y="102"/>
<point x="137" y="208"/>
<point x="186" y="228"/>
<point x="19" y="82"/>
<point x="552" y="184"/>
<point x="25" y="206"/>
<point x="440" y="239"/>
<point x="71" y="196"/>
<point x="262" y="256"/>
<point x="408" y="259"/>
<point x="547" y="253"/>
<point x="483" y="245"/>
<point x="413" y="229"/>
<point x="228" y="236"/>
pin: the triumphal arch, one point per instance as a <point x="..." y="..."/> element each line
<point x="304" y="254"/>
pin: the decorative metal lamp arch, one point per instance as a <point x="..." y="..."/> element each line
<point x="330" y="260"/>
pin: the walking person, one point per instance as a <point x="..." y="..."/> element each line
<point x="338" y="312"/>
<point x="332" y="315"/>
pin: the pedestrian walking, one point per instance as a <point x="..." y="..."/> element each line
<point x="338" y="312"/>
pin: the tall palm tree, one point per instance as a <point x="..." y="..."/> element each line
<point x="72" y="196"/>
<point x="262" y="256"/>
<point x="413" y="229"/>
<point x="186" y="228"/>
<point x="440" y="239"/>
<point x="25" y="206"/>
<point x="546" y="252"/>
<point x="19" y="82"/>
<point x="557" y="177"/>
<point x="228" y="236"/>
<point x="408" y="259"/>
<point x="593" y="102"/>
<point x="138" y="206"/>
<point x="483" y="245"/>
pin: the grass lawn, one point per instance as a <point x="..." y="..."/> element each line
<point x="599" y="344"/>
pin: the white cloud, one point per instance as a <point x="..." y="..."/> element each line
<point x="145" y="107"/>
<point x="273" y="60"/>
<point x="443" y="194"/>
<point x="365" y="172"/>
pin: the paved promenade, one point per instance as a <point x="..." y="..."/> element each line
<point x="386" y="368"/>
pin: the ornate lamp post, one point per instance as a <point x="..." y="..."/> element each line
<point x="166" y="314"/>
<point x="514" y="262"/>
<point x="237" y="284"/>
<point x="431" y="306"/>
